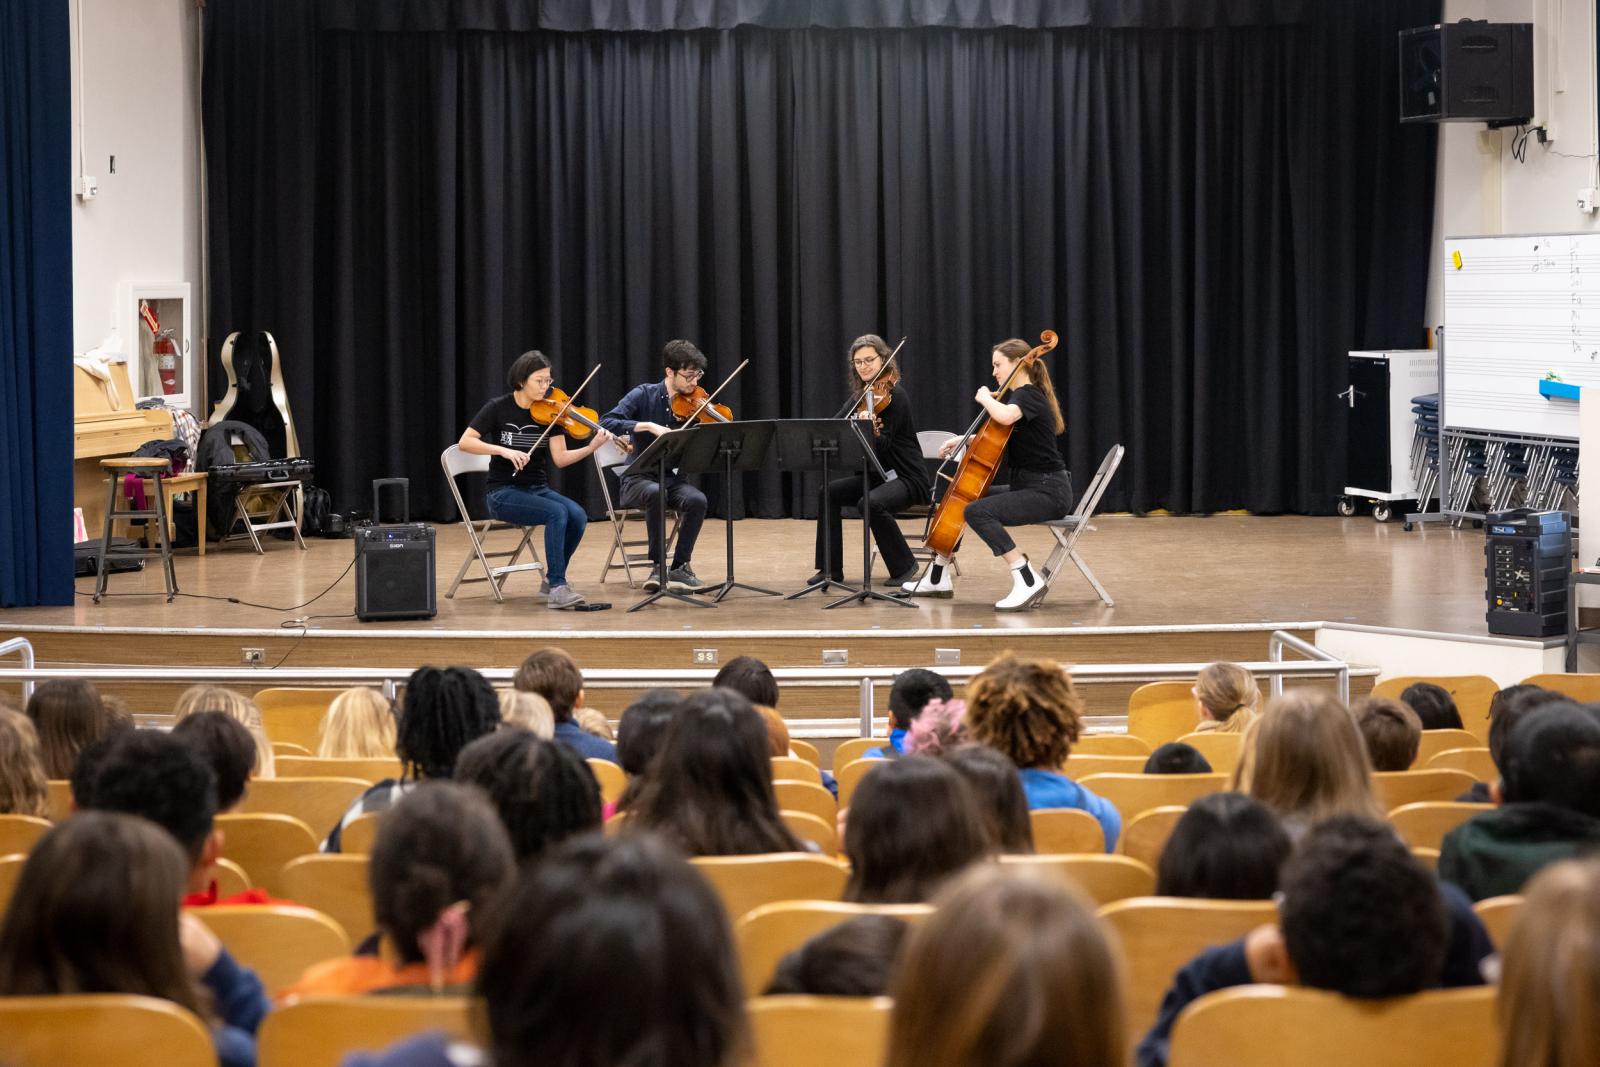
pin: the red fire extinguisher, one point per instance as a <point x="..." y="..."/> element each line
<point x="163" y="349"/>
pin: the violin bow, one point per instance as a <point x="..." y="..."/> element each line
<point x="571" y="400"/>
<point x="848" y="408"/>
<point x="695" y="414"/>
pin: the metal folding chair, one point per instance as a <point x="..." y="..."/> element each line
<point x="1068" y="530"/>
<point x="607" y="459"/>
<point x="456" y="463"/>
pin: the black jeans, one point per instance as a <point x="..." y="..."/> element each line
<point x="685" y="499"/>
<point x="882" y="501"/>
<point x="1033" y="497"/>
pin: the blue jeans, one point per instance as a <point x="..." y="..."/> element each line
<point x="562" y="519"/>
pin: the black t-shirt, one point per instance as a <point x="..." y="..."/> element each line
<point x="502" y="422"/>
<point x="1033" y="438"/>
<point x="897" y="447"/>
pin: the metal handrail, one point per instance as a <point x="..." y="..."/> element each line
<point x="864" y="679"/>
<point x="25" y="647"/>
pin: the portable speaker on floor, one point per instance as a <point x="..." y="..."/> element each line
<point x="394" y="572"/>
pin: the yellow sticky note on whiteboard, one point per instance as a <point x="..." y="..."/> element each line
<point x="1455" y="257"/>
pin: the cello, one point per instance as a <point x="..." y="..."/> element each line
<point x="980" y="450"/>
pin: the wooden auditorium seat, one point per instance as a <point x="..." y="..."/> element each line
<point x="1584" y="688"/>
<point x="856" y="748"/>
<point x="277" y="942"/>
<point x="850" y="774"/>
<point x="335" y="885"/>
<point x="1081" y="765"/>
<point x="294" y="715"/>
<point x="101" y="1028"/>
<point x="794" y="769"/>
<point x="1434" y="742"/>
<point x="1145" y="835"/>
<point x="1111" y="745"/>
<point x="10" y="870"/>
<point x="772" y="931"/>
<point x="1133" y="794"/>
<point x="1478" y="762"/>
<point x="806" y="751"/>
<point x="1499" y="915"/>
<point x="230" y="878"/>
<point x="1471" y="692"/>
<point x="1424" y="825"/>
<point x="322" y="1031"/>
<point x="318" y="802"/>
<point x="1102" y="878"/>
<point x="808" y="1031"/>
<point x="358" y="835"/>
<point x="262" y="844"/>
<point x="1221" y="750"/>
<point x="1162" y="711"/>
<point x="19" y="833"/>
<point x="812" y="830"/>
<point x="1396" y="788"/>
<point x="1060" y="830"/>
<point x="58" y="798"/>
<point x="370" y="771"/>
<point x="613" y="780"/>
<point x="744" y="883"/>
<point x="806" y="796"/>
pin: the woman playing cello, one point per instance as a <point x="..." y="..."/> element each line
<point x="889" y="410"/>
<point x="1040" y="489"/>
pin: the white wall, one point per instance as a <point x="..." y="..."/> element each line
<point x="1480" y="188"/>
<point x="138" y="80"/>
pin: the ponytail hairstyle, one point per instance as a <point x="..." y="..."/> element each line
<point x="1226" y="689"/>
<point x="1037" y="372"/>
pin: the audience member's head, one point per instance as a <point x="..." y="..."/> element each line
<point x="440" y="847"/>
<point x="22" y="777"/>
<point x="161" y="778"/>
<point x="359" y="724"/>
<point x="68" y="716"/>
<point x="1433" y="704"/>
<point x="639" y="734"/>
<point x="237" y="706"/>
<point x="1304" y="759"/>
<point x="593" y="721"/>
<point x="1359" y="915"/>
<point x="555" y="676"/>
<point x="750" y="677"/>
<point x="1010" y="970"/>
<point x="1175" y="757"/>
<point x="1553" y="757"/>
<point x="941" y="726"/>
<point x="1509" y="707"/>
<point x="1225" y="847"/>
<point x="544" y="792"/>
<point x="1002" y="803"/>
<point x="443" y="711"/>
<point x="96" y="910"/>
<point x="1027" y="709"/>
<point x="518" y="707"/>
<point x="777" y="730"/>
<point x="1223" y="690"/>
<point x="913" y="824"/>
<point x="911" y="692"/>
<point x="854" y="959"/>
<point x="1549" y="1004"/>
<point x="709" y="790"/>
<point x="619" y="921"/>
<point x="227" y="748"/>
<point x="1390" y="730"/>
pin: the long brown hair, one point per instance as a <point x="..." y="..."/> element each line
<point x="1026" y="708"/>
<point x="1304" y="758"/>
<point x="96" y="911"/>
<point x="22" y="779"/>
<point x="1008" y="970"/>
<point x="69" y="716"/>
<point x="1549" y="1003"/>
<point x="1037" y="372"/>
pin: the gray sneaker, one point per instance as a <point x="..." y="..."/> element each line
<point x="683" y="580"/>
<point x="544" y="587"/>
<point x="563" y="597"/>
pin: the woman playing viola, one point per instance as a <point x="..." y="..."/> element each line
<point x="1040" y="487"/>
<point x="898" y="452"/>
<point x="518" y="489"/>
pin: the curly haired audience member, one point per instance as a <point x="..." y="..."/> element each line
<point x="359" y="724"/>
<point x="554" y="675"/>
<point x="1304" y="759"/>
<point x="1010" y="970"/>
<point x="1226" y="846"/>
<point x="1391" y="731"/>
<point x="1029" y="710"/>
<point x="1002" y="804"/>
<point x="543" y="791"/>
<point x="69" y="716"/>
<point x="236" y="706"/>
<point x="913" y="825"/>
<point x="22" y="777"/>
<point x="1549" y="1005"/>
<point x="1227" y="698"/>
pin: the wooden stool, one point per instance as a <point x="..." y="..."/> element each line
<point x="176" y="485"/>
<point x="151" y="468"/>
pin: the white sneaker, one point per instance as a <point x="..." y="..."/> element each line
<point x="943" y="588"/>
<point x="1027" y="589"/>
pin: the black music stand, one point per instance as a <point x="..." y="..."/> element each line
<point x="732" y="446"/>
<point x="667" y="446"/>
<point x="817" y="445"/>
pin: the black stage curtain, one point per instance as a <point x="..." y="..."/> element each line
<point x="1210" y="216"/>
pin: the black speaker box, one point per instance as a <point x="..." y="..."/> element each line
<point x="1467" y="72"/>
<point x="394" y="572"/>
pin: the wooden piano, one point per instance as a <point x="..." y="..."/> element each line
<point x="101" y="429"/>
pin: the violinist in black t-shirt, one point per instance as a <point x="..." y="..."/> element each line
<point x="1040" y="487"/>
<point x="898" y="452"/>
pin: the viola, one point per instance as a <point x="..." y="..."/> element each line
<point x="875" y="400"/>
<point x="579" y="422"/>
<point x="985" y="442"/>
<point x="684" y="405"/>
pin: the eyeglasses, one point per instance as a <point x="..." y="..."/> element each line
<point x="867" y="362"/>
<point x="690" y="375"/>
<point x="541" y="380"/>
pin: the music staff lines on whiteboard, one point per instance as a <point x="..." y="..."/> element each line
<point x="1518" y="301"/>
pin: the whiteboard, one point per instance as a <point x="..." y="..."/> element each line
<point x="1515" y="309"/>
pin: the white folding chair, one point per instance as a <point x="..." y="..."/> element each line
<point x="1068" y="530"/>
<point x="607" y="459"/>
<point x="457" y="463"/>
<point x="929" y="441"/>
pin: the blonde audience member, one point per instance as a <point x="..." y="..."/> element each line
<point x="69" y="716"/>
<point x="1009" y="970"/>
<point x="22" y="780"/>
<point x="359" y="724"/>
<point x="235" y="706"/>
<point x="1549" y="1003"/>
<point x="593" y="721"/>
<point x="1227" y="697"/>
<point x="1304" y="759"/>
<point x="518" y="707"/>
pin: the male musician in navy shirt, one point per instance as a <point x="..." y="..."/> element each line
<point x="645" y="413"/>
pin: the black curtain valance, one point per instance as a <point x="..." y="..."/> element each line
<point x="582" y="16"/>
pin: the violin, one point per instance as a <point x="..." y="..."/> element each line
<point x="579" y="422"/>
<point x="980" y="452"/>
<point x="684" y="405"/>
<point x="875" y="400"/>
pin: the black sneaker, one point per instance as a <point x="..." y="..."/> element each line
<point x="818" y="578"/>
<point x="898" y="580"/>
<point x="652" y="580"/>
<point x="681" y="579"/>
